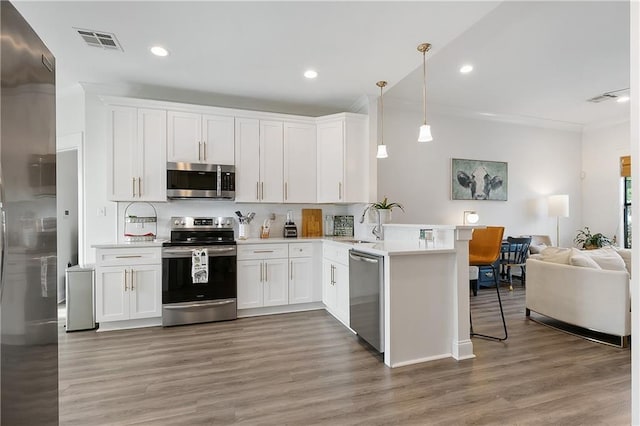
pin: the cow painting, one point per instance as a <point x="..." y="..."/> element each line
<point x="479" y="180"/>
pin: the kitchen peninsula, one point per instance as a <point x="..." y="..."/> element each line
<point x="426" y="290"/>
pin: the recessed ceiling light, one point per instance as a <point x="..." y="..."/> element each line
<point x="159" y="51"/>
<point x="310" y="74"/>
<point x="622" y="99"/>
<point x="465" y="69"/>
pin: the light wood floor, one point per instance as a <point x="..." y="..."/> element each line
<point x="306" y="368"/>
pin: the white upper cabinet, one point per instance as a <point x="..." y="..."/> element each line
<point x="247" y="160"/>
<point x="218" y="138"/>
<point x="137" y="154"/>
<point x="343" y="159"/>
<point x="271" y="157"/>
<point x="197" y="138"/>
<point x="299" y="163"/>
<point x="259" y="160"/>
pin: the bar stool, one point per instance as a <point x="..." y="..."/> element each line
<point x="484" y="250"/>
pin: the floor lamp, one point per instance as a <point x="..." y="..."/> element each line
<point x="558" y="207"/>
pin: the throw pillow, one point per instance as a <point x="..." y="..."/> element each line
<point x="607" y="258"/>
<point x="556" y="255"/>
<point x="579" y="259"/>
<point x="537" y="248"/>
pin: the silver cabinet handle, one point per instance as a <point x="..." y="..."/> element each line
<point x="258" y="191"/>
<point x="199" y="150"/>
<point x="286" y="191"/>
<point x="261" y="273"/>
<point x="132" y="279"/>
<point x="266" y="273"/>
<point x="262" y="190"/>
<point x="139" y="187"/>
<point x="263" y="251"/>
<point x="133" y="187"/>
<point x="291" y="270"/>
<point x="125" y="280"/>
<point x="339" y="190"/>
<point x="204" y="144"/>
<point x="129" y="256"/>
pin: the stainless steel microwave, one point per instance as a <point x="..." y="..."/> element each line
<point x="195" y="180"/>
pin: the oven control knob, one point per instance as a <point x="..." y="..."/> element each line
<point x="176" y="222"/>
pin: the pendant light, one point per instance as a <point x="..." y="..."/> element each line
<point x="425" y="129"/>
<point x="382" y="148"/>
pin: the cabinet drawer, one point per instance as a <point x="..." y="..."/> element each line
<point x="263" y="251"/>
<point x="336" y="253"/>
<point x="301" y="250"/>
<point x="128" y="256"/>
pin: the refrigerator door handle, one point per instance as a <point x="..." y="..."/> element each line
<point x="3" y="243"/>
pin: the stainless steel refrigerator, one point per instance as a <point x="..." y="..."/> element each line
<point x="28" y="308"/>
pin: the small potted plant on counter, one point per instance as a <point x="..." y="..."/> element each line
<point x="385" y="208"/>
<point x="587" y="241"/>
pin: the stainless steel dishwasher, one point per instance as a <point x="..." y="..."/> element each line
<point x="366" y="297"/>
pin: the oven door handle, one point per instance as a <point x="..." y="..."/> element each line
<point x="185" y="252"/>
<point x="199" y="305"/>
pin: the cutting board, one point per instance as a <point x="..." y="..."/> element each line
<point x="312" y="222"/>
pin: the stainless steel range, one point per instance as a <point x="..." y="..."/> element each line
<point x="199" y="271"/>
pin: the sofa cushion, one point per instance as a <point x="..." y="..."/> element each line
<point x="556" y="255"/>
<point x="607" y="258"/>
<point x="578" y="258"/>
<point x="625" y="254"/>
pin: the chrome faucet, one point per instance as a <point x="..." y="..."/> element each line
<point x="377" y="230"/>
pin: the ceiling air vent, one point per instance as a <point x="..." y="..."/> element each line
<point x="100" y="39"/>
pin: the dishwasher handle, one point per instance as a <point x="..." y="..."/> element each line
<point x="360" y="258"/>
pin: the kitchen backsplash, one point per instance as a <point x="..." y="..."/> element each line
<point x="223" y="208"/>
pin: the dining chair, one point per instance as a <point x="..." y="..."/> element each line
<point x="484" y="250"/>
<point x="515" y="255"/>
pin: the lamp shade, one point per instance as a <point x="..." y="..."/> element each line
<point x="559" y="205"/>
<point x="425" y="133"/>
<point x="470" y="218"/>
<point x="382" y="151"/>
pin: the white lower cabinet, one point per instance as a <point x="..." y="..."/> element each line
<point x="262" y="283"/>
<point x="262" y="275"/>
<point x="276" y="274"/>
<point x="335" y="281"/>
<point x="301" y="273"/>
<point x="127" y="289"/>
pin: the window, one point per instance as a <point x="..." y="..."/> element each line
<point x="627" y="212"/>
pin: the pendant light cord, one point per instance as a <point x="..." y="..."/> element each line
<point x="381" y="117"/>
<point x="424" y="84"/>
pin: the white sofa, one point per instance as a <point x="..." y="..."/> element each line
<point x="589" y="297"/>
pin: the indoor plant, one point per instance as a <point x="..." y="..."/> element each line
<point x="385" y="208"/>
<point x="586" y="240"/>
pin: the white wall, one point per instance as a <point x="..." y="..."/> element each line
<point x="602" y="194"/>
<point x="541" y="161"/>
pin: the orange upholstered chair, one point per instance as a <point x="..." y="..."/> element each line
<point x="484" y="250"/>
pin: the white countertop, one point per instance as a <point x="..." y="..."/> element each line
<point x="382" y="248"/>
<point x="154" y="243"/>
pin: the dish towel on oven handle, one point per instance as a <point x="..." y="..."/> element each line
<point x="199" y="266"/>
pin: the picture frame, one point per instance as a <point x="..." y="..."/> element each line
<point x="483" y="180"/>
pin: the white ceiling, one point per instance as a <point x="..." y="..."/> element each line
<point x="532" y="59"/>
